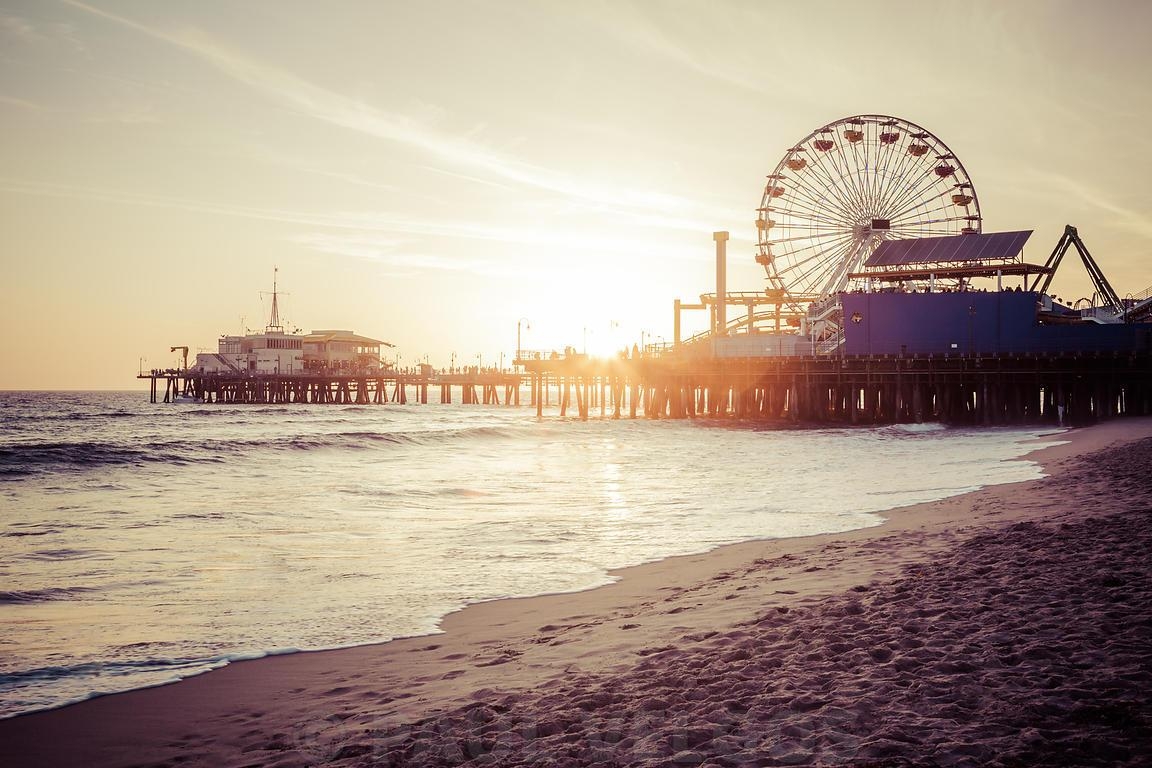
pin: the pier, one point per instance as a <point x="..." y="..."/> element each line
<point x="1071" y="388"/>
<point x="885" y="303"/>
<point x="960" y="389"/>
<point x="175" y="385"/>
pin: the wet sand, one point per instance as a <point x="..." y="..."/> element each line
<point x="1011" y="626"/>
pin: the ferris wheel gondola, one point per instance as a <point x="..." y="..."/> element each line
<point x="849" y="186"/>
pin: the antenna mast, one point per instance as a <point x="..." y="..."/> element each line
<point x="274" y="320"/>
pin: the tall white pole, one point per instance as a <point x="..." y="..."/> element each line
<point x="721" y="313"/>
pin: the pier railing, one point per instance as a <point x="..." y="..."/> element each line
<point x="1008" y="386"/>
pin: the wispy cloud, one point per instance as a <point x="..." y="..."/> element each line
<point x="398" y="253"/>
<point x="376" y="234"/>
<point x="143" y="115"/>
<point x="1089" y="197"/>
<point x="467" y="177"/>
<point x="295" y="93"/>
<point x="19" y="28"/>
<point x="46" y="189"/>
<point x="299" y="165"/>
<point x="639" y="30"/>
<point x="13" y="101"/>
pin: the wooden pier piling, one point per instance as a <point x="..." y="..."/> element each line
<point x="884" y="389"/>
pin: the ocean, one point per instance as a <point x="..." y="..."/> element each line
<point x="142" y="543"/>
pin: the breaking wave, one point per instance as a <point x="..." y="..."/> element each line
<point x="26" y="596"/>
<point x="24" y="459"/>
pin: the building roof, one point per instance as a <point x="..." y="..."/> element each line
<point x="323" y="337"/>
<point x="950" y="249"/>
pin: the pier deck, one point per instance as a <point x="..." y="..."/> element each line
<point x="847" y="389"/>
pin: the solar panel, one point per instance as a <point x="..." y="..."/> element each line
<point x="951" y="248"/>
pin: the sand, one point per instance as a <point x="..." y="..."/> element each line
<point x="1011" y="626"/>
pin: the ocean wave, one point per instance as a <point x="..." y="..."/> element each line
<point x="24" y="459"/>
<point x="100" y="416"/>
<point x="26" y="596"/>
<point x="21" y="534"/>
<point x="40" y="418"/>
<point x="104" y="668"/>
<point x="226" y="409"/>
<point x="31" y="458"/>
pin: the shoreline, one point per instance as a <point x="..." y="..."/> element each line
<point x="191" y="665"/>
<point x="309" y="706"/>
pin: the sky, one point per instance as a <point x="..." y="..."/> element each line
<point x="435" y="174"/>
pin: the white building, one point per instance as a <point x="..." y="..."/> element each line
<point x="276" y="352"/>
<point x="268" y="352"/>
<point x="341" y="351"/>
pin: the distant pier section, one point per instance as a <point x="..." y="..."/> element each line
<point x="378" y="387"/>
<point x="921" y="341"/>
<point x="899" y="311"/>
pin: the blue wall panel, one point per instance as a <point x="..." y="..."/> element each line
<point x="971" y="323"/>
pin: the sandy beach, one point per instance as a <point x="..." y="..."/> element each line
<point x="1011" y="626"/>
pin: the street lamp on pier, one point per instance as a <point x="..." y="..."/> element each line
<point x="527" y="327"/>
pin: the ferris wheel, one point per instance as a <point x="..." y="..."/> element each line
<point x="847" y="187"/>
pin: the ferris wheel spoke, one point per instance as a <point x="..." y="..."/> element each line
<point x="849" y="177"/>
<point x="813" y="241"/>
<point x="811" y="211"/>
<point x="813" y="208"/>
<point x="833" y="229"/>
<point x="943" y="198"/>
<point x="813" y="215"/>
<point x="938" y="227"/>
<point x="838" y="266"/>
<point x="830" y="188"/>
<point x="925" y="232"/>
<point x="838" y="160"/>
<point x="866" y="165"/>
<point x="798" y="200"/>
<point x="887" y="161"/>
<point x="918" y="177"/>
<point x="944" y="220"/>
<point x="857" y="159"/>
<point x="809" y="192"/>
<point x="926" y="213"/>
<point x="798" y="257"/>
<point x="934" y="211"/>
<point x="926" y="198"/>
<point x="904" y="164"/>
<point x="869" y="151"/>
<point x="804" y="271"/>
<point x="916" y="195"/>
<point x="920" y="181"/>
<point x="834" y="181"/>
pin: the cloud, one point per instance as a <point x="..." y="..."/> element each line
<point x="376" y="233"/>
<point x="13" y="101"/>
<point x="20" y="28"/>
<point x="304" y="97"/>
<point x="46" y="189"/>
<point x="1063" y="188"/>
<point x="394" y="252"/>
<point x="145" y="115"/>
<point x="17" y="26"/>
<point x="638" y="30"/>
